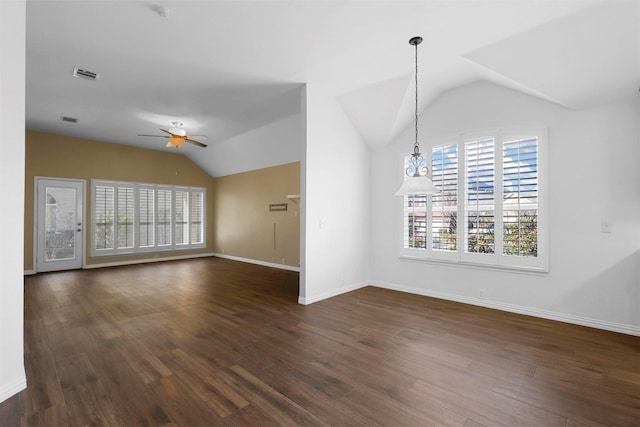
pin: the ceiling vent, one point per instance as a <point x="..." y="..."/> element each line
<point x="85" y="74"/>
<point x="69" y="119"/>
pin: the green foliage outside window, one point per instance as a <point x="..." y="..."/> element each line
<point x="520" y="235"/>
<point x="104" y="231"/>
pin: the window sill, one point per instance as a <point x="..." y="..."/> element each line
<point x="155" y="251"/>
<point x="534" y="271"/>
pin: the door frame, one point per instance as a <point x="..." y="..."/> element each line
<point x="83" y="185"/>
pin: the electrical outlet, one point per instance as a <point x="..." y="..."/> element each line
<point x="481" y="293"/>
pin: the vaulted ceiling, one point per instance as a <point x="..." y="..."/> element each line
<point x="225" y="68"/>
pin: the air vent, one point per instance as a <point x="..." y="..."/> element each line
<point x="85" y="74"/>
<point x="69" y="119"/>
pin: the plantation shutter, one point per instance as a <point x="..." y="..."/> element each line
<point x="444" y="205"/>
<point x="125" y="217"/>
<point x="491" y="205"/>
<point x="104" y="216"/>
<point x="163" y="227"/>
<point x="146" y="213"/>
<point x="520" y="197"/>
<point x="196" y="216"/>
<point x="415" y="214"/>
<point x="182" y="217"/>
<point x="479" y="185"/>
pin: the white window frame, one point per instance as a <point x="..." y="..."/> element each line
<point x="497" y="260"/>
<point x="191" y="218"/>
<point x="155" y="248"/>
<point x="154" y="191"/>
<point x="134" y="232"/>
<point x="185" y="215"/>
<point x="165" y="246"/>
<point x="437" y="254"/>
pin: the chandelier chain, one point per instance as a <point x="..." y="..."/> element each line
<point x="417" y="180"/>
<point x="416" y="147"/>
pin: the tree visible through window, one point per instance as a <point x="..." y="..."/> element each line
<point x="492" y="183"/>
<point x="480" y="193"/>
<point x="132" y="218"/>
<point x="164" y="217"/>
<point x="415" y="213"/>
<point x="444" y="205"/>
<point x="103" y="215"/>
<point x="520" y="197"/>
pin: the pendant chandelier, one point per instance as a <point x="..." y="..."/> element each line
<point x="417" y="182"/>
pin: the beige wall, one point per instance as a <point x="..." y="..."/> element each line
<point x="55" y="156"/>
<point x="244" y="225"/>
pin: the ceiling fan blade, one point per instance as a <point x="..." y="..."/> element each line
<point x="198" y="143"/>
<point x="166" y="131"/>
<point x="155" y="136"/>
<point x="197" y="136"/>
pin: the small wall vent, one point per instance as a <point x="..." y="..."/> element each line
<point x="69" y="119"/>
<point x="85" y="74"/>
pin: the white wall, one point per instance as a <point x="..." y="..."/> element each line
<point x="12" y="124"/>
<point x="593" y="177"/>
<point x="271" y="144"/>
<point x="335" y="201"/>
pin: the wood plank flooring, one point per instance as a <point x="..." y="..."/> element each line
<point x="212" y="342"/>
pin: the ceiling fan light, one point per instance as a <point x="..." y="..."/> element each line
<point x="175" y="142"/>
<point x="178" y="131"/>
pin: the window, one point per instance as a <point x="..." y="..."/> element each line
<point x="163" y="217"/>
<point x="103" y="214"/>
<point x="520" y="197"/>
<point x="493" y="183"/>
<point x="196" y="220"/>
<point x="182" y="218"/>
<point x="479" y="184"/>
<point x="444" y="206"/>
<point x="135" y="218"/>
<point x="146" y="221"/>
<point x="125" y="217"/>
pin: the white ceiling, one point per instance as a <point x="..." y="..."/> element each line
<point x="224" y="68"/>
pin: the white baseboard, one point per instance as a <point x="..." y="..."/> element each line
<point x="146" y="260"/>
<point x="512" y="308"/>
<point x="332" y="293"/>
<point x="258" y="262"/>
<point x="13" y="387"/>
<point x="179" y="257"/>
<point x="137" y="261"/>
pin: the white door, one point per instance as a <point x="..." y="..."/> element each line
<point x="59" y="224"/>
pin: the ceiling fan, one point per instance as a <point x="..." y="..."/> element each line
<point x="178" y="136"/>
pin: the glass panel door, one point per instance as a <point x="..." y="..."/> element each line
<point x="59" y="224"/>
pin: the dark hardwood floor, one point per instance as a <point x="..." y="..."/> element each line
<point x="211" y="342"/>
